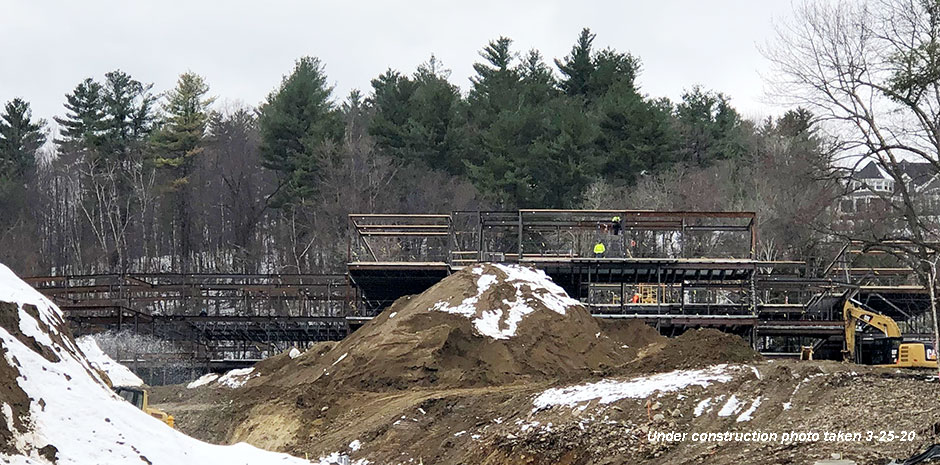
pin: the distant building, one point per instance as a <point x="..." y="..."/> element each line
<point x="871" y="184"/>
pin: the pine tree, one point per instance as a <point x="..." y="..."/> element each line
<point x="295" y="122"/>
<point x="422" y="118"/>
<point x="528" y="157"/>
<point x="578" y="67"/>
<point x="84" y="121"/>
<point x="176" y="144"/>
<point x="495" y="84"/>
<point x="183" y="128"/>
<point x="709" y="128"/>
<point x="20" y="140"/>
<point x="391" y="98"/>
<point x="128" y="108"/>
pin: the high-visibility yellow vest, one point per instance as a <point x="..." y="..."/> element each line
<point x="599" y="248"/>
<point x="615" y="219"/>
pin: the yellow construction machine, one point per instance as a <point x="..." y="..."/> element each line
<point x="139" y="398"/>
<point x="890" y="351"/>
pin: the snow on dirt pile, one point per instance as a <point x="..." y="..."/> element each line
<point x="58" y="409"/>
<point x="119" y="374"/>
<point x="501" y="322"/>
<point x="608" y="390"/>
<point x="484" y="325"/>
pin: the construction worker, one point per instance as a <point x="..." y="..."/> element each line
<point x="599" y="250"/>
<point x="616" y="221"/>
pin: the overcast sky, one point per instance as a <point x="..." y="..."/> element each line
<point x="244" y="47"/>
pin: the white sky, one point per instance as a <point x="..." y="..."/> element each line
<point x="244" y="47"/>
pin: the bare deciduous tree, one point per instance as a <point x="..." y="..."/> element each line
<point x="870" y="70"/>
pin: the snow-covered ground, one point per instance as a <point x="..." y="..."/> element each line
<point x="73" y="410"/>
<point x="607" y="391"/>
<point x="119" y="374"/>
<point x="531" y="285"/>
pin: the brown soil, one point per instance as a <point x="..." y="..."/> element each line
<point x="409" y="345"/>
<point x="10" y="391"/>
<point x="421" y="386"/>
<point x="698" y="348"/>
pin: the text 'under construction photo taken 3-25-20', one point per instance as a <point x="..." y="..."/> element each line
<point x="470" y="233"/>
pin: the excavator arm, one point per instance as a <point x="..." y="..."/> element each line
<point x="853" y="314"/>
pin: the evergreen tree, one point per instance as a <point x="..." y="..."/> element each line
<point x="709" y="128"/>
<point x="20" y="140"/>
<point x="391" y="98"/>
<point x="494" y="86"/>
<point x="578" y="67"/>
<point x="537" y="148"/>
<point x="636" y="134"/>
<point x="84" y="121"/>
<point x="183" y="128"/>
<point x="295" y="122"/>
<point x="421" y="118"/>
<point x="128" y="109"/>
<point x="590" y="75"/>
<point x="176" y="144"/>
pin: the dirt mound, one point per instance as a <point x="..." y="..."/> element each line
<point x="631" y="333"/>
<point x="486" y="325"/>
<point x="697" y="349"/>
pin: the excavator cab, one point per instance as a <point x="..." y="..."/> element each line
<point x="878" y="351"/>
<point x="138" y="397"/>
<point x="132" y="395"/>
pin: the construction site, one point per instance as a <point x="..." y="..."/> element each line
<point x="670" y="270"/>
<point x="520" y="337"/>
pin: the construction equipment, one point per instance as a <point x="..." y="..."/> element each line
<point x="806" y="352"/>
<point x="890" y="351"/>
<point x="139" y="398"/>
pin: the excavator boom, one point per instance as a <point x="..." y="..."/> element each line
<point x="853" y="314"/>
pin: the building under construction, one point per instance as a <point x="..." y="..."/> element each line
<point x="673" y="270"/>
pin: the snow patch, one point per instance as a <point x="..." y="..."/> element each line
<point x="731" y="407"/>
<point x="119" y="374"/>
<point x="502" y="323"/>
<point x="355" y="445"/>
<point x="607" y="391"/>
<point x="236" y="378"/>
<point x="203" y="380"/>
<point x="702" y="406"/>
<point x="748" y="414"/>
<point x="294" y="353"/>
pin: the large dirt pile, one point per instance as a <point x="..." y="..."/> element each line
<point x="486" y="325"/>
<point x="697" y="349"/>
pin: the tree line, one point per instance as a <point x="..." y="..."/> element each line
<point x="135" y="180"/>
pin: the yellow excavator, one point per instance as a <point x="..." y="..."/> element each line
<point x="892" y="350"/>
<point x="138" y="397"/>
